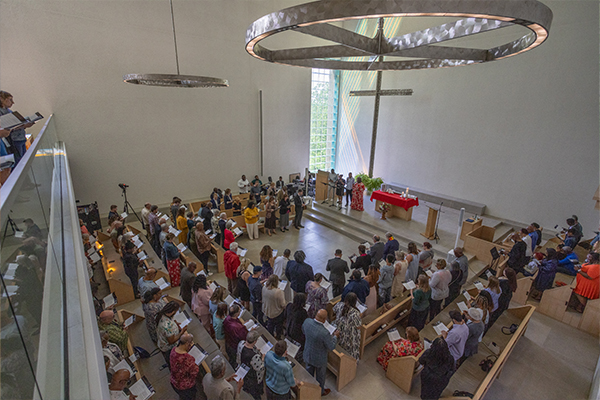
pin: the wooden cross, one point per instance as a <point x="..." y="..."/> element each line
<point x="378" y="93"/>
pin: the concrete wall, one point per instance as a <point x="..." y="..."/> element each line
<point x="519" y="135"/>
<point x="68" y="58"/>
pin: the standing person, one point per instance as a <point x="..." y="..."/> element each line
<point x="270" y="216"/>
<point x="173" y="256"/>
<point x="517" y="258"/>
<point x="546" y="273"/>
<point x="215" y="199"/>
<point x="249" y="355"/>
<point x="362" y="261"/>
<point x="284" y="213"/>
<point x="376" y="251"/>
<point x="188" y="277"/>
<point x="235" y="332"/>
<point x="400" y="266"/>
<point x="457" y="336"/>
<point x="299" y="272"/>
<point x="217" y="321"/>
<point x="339" y="269"/>
<point x="340" y="184"/>
<point x="255" y="190"/>
<point x="349" y="185"/>
<point x="168" y="331"/>
<point x="152" y="304"/>
<point x="184" y="370"/>
<point x="222" y="224"/>
<point x="391" y="246"/>
<point x="243" y="291"/>
<point x="146" y="282"/>
<point x="228" y="235"/>
<point x="358" y="286"/>
<point x="231" y="262"/>
<point x="273" y="306"/>
<point x="426" y="256"/>
<point x="438" y="367"/>
<point x="174" y="207"/>
<point x="280" y="263"/>
<point x="318" y="344"/>
<point x="331" y="181"/>
<point x="266" y="261"/>
<point x="358" y="191"/>
<point x="117" y="334"/>
<point x="256" y="294"/>
<point x="299" y="209"/>
<point x="420" y="303"/>
<point x="201" y="302"/>
<point x="130" y="265"/>
<point x="17" y="135"/>
<point x="203" y="245"/>
<point x="182" y="226"/>
<point x="279" y="377"/>
<point x="243" y="185"/>
<point x="316" y="295"/>
<point x="236" y="206"/>
<point x="439" y="283"/>
<point x="216" y="386"/>
<point x="155" y="229"/>
<point x="508" y="285"/>
<point x="493" y="288"/>
<point x="216" y="298"/>
<point x="113" y="213"/>
<point x="280" y="183"/>
<point x="296" y="314"/>
<point x="372" y="278"/>
<point x="476" y="330"/>
<point x="145" y="220"/>
<point x="454" y="285"/>
<point x="386" y="279"/>
<point x="251" y="219"/>
<point x="348" y="322"/>
<point x="228" y="199"/>
<point x="463" y="262"/>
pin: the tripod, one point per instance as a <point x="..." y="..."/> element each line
<point x="13" y="226"/>
<point x="437" y="222"/>
<point x="127" y="205"/>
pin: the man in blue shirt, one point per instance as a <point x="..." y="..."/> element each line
<point x="566" y="265"/>
<point x="279" y="377"/>
<point x="298" y="272"/>
<point x="256" y="293"/>
<point x="391" y="246"/>
<point x="358" y="286"/>
<point x="316" y="347"/>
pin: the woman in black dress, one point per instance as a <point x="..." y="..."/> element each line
<point x="296" y="314"/>
<point x="454" y="285"/>
<point x="340" y="186"/>
<point x="438" y="366"/>
<point x="270" y="216"/>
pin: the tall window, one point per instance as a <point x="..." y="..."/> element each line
<point x="323" y="118"/>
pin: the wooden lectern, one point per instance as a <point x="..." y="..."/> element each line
<point x="430" y="227"/>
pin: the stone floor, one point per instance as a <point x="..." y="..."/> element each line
<point x="552" y="360"/>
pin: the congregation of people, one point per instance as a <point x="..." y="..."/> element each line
<point x="377" y="274"/>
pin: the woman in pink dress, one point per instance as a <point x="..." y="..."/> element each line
<point x="357" y="195"/>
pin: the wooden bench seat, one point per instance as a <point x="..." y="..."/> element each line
<point x="342" y="365"/>
<point x="402" y="370"/>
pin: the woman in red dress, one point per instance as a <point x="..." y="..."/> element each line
<point x="358" y="191"/>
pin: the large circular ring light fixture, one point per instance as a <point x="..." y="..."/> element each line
<point x="477" y="16"/>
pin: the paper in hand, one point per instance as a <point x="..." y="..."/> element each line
<point x="462" y="306"/>
<point x="479" y="286"/>
<point x="229" y="300"/>
<point x="19" y="234"/>
<point x="198" y="353"/>
<point x="429" y="273"/>
<point x="124" y="215"/>
<point x="94" y="257"/>
<point x="439" y="328"/>
<point x="467" y="295"/>
<point x="393" y="334"/>
<point x="182" y="247"/>
<point x="141" y="390"/>
<point x="361" y="307"/>
<point x="109" y="300"/>
<point x="292" y="349"/>
<point x="409" y="285"/>
<point x="161" y="283"/>
<point x="241" y="252"/>
<point x="329" y="327"/>
<point x="241" y="372"/>
<point x="282" y="285"/>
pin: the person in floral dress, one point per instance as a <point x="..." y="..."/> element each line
<point x="357" y="195"/>
<point x="411" y="346"/>
<point x="348" y="322"/>
<point x="316" y="296"/>
<point x="152" y="305"/>
<point x="184" y="370"/>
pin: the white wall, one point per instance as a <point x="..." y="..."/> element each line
<point x="519" y="135"/>
<point x="68" y="57"/>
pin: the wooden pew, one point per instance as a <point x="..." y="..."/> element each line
<point x="153" y="260"/>
<point x="122" y="315"/>
<point x="402" y="370"/>
<point x="118" y="282"/>
<point x="480" y="241"/>
<point x="220" y="253"/>
<point x="342" y="365"/>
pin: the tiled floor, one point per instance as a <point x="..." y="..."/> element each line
<point x="552" y="361"/>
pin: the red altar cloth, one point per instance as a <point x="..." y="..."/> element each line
<point x="394" y="199"/>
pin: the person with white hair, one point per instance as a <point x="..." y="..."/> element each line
<point x="476" y="329"/>
<point x="249" y="355"/>
<point x="216" y="386"/>
<point x="228" y="235"/>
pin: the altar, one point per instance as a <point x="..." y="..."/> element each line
<point x="400" y="207"/>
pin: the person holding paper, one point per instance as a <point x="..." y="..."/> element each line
<point x="412" y="271"/>
<point x="153" y="303"/>
<point x="284" y="212"/>
<point x="227" y="199"/>
<point x="299" y="207"/>
<point x="270" y="216"/>
<point x="155" y="229"/>
<point x="182" y="226"/>
<point x="279" y="377"/>
<point x="476" y="330"/>
<point x="386" y="279"/>
<point x="348" y="322"/>
<point x="376" y="251"/>
<point x="339" y="269"/>
<point x="411" y="346"/>
<point x="228" y="235"/>
<point x="243" y="185"/>
<point x="372" y="278"/>
<point x="168" y="331"/>
<point x="116" y="333"/>
<point x="201" y="295"/>
<point x="358" y="286"/>
<point x="280" y="263"/>
<point x="508" y="285"/>
<point x="172" y="256"/>
<point x="457" y="336"/>
<point x="249" y="355"/>
<point x="296" y="314"/>
<point x="420" y="303"/>
<point x="146" y="282"/>
<point x="203" y="244"/>
<point x="455" y="283"/>
<point x="316" y="295"/>
<point x="188" y="277"/>
<point x="251" y="219"/>
<point x="587" y="287"/>
<point x="184" y="370"/>
<point x="400" y="267"/>
<point x="439" y="283"/>
<point x="217" y="321"/>
<point x="216" y="386"/>
<point x="130" y="265"/>
<point x="273" y="306"/>
<point x="426" y="256"/>
<point x="363" y="260"/>
<point x="17" y="134"/>
<point x="255" y="190"/>
<point x="438" y="367"/>
<point x="493" y="288"/>
<point x="231" y="263"/>
<point x="145" y="221"/>
<point x="119" y="381"/>
<point x="255" y="286"/>
<point x="298" y="272"/>
<point x="463" y="261"/>
<point x="243" y="291"/>
<point x="111" y="351"/>
<point x="318" y="344"/>
<point x="236" y="206"/>
<point x="235" y="332"/>
<point x="266" y="261"/>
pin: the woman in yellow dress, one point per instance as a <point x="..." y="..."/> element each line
<point x="182" y="226"/>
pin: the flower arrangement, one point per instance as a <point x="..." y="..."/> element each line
<point x="384" y="208"/>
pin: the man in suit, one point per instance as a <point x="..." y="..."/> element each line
<point x="376" y="251"/>
<point x="299" y="209"/>
<point x="318" y="344"/>
<point x="391" y="246"/>
<point x="338" y="268"/>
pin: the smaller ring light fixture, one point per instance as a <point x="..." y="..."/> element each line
<point x="166" y="80"/>
<point x="425" y="46"/>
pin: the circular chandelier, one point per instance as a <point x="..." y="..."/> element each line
<point x="425" y="46"/>
<point x="166" y="80"/>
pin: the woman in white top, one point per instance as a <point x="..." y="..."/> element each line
<point x="412" y="272"/>
<point x="400" y="267"/>
<point x="273" y="305"/>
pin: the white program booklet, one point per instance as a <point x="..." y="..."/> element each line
<point x="462" y="306"/>
<point x="467" y="295"/>
<point x="141" y="390"/>
<point x="306" y="307"/>
<point x="233" y="223"/>
<point x="429" y="273"/>
<point x="439" y="328"/>
<point x="237" y="231"/>
<point x="382" y="262"/>
<point x="19" y="234"/>
<point x="292" y="349"/>
<point x="479" y="286"/>
<point x="208" y="231"/>
<point x="361" y="307"/>
<point x="229" y="300"/>
<point x="212" y="286"/>
<point x="124" y="215"/>
<point x="133" y="358"/>
<point x="182" y="247"/>
<point x="138" y="243"/>
<point x="11" y="290"/>
<point x="329" y="327"/>
<point x="182" y="319"/>
<point x="109" y="301"/>
<point x="393" y="334"/>
<point x="142" y="255"/>
<point x="367" y="245"/>
<point x="92" y="239"/>
<point x="263" y="345"/>
<point x="250" y="324"/>
<point x="198" y="353"/>
<point x="282" y="285"/>
<point x="274" y="253"/>
<point x="426" y="344"/>
<point x="325" y="284"/>
<point x="214" y="235"/>
<point x="129" y="321"/>
<point x="489" y="273"/>
<point x="10" y="271"/>
<point x="409" y="285"/>
<point x="161" y="283"/>
<point x="95" y="257"/>
<point x="125" y="364"/>
<point x="241" y="252"/>
<point x="241" y="372"/>
<point x="201" y="272"/>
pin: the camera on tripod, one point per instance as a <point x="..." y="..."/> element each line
<point x="123" y="186"/>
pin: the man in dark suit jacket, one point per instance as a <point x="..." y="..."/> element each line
<point x="338" y="268"/>
<point x="298" y="209"/>
<point x="391" y="246"/>
<point x="317" y="345"/>
<point x="363" y="260"/>
<point x="376" y="251"/>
